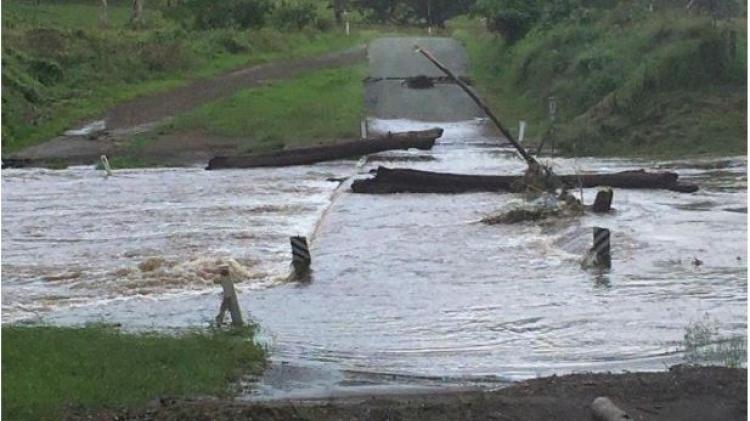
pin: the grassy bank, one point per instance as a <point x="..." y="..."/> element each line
<point x="61" y="66"/>
<point x="628" y="81"/>
<point x="319" y="107"/>
<point x="49" y="370"/>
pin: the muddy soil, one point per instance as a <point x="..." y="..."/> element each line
<point x="682" y="393"/>
<point x="142" y="114"/>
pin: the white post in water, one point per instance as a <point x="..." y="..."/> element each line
<point x="552" y="108"/>
<point x="229" y="300"/>
<point x="363" y="127"/>
<point x="521" y="130"/>
<point x="105" y="164"/>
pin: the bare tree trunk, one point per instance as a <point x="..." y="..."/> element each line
<point x="136" y="18"/>
<point x="338" y="10"/>
<point x="420" y="140"/>
<point x="104" y="17"/>
<point x="413" y="181"/>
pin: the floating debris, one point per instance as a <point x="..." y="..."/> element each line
<point x="544" y="207"/>
<point x="419" y="82"/>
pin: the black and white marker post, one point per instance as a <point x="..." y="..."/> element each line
<point x="601" y="251"/>
<point x="300" y="256"/>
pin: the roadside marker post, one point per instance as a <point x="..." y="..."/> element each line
<point x="300" y="256"/>
<point x="105" y="164"/>
<point x="521" y="130"/>
<point x="603" y="201"/>
<point x="229" y="300"/>
<point x="601" y="249"/>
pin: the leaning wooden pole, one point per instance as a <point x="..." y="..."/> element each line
<point x="529" y="159"/>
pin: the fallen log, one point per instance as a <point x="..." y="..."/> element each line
<point x="414" y="181"/>
<point x="424" y="139"/>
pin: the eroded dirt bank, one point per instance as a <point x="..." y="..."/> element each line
<point x="681" y="393"/>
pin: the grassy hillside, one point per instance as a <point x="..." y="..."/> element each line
<point x="61" y="65"/>
<point x="627" y="81"/>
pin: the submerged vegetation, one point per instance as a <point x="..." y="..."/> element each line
<point x="627" y="77"/>
<point x="705" y="346"/>
<point x="50" y="370"/>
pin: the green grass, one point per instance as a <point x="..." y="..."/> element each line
<point x="322" y="106"/>
<point x="664" y="83"/>
<point x="67" y="15"/>
<point x="49" y="369"/>
<point x="60" y="67"/>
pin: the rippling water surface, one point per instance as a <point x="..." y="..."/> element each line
<point x="404" y="284"/>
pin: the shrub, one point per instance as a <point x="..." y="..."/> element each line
<point x="511" y="18"/>
<point x="294" y="15"/>
<point x="231" y="42"/>
<point x="48" y="72"/>
<point x="202" y="14"/>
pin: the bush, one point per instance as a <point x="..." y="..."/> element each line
<point x="295" y="15"/>
<point x="48" y="72"/>
<point x="201" y="14"/>
<point x="511" y="18"/>
<point x="232" y="43"/>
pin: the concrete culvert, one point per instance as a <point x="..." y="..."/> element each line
<point x="419" y="82"/>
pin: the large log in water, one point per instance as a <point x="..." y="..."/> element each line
<point x="424" y="139"/>
<point x="413" y="181"/>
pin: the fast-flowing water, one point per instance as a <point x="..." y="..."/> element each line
<point x="403" y="284"/>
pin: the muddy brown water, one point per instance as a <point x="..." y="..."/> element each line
<point x="409" y="292"/>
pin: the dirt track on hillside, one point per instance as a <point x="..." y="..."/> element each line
<point x="144" y="113"/>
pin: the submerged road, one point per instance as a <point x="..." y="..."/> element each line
<point x="391" y="60"/>
<point x="409" y="291"/>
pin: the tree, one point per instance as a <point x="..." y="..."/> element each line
<point x="511" y="18"/>
<point x="429" y="12"/>
<point x="104" y="17"/>
<point x="717" y="9"/>
<point x="339" y="7"/>
<point x="437" y="12"/>
<point x="378" y="10"/>
<point x="136" y="16"/>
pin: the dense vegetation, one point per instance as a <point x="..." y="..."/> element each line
<point x="66" y="61"/>
<point x="50" y="370"/>
<point x="628" y="77"/>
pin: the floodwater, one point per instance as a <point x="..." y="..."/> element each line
<point x="405" y="286"/>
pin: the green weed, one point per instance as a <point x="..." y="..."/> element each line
<point x="49" y="369"/>
<point x="704" y="345"/>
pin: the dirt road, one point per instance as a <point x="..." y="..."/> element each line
<point x="144" y="113"/>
